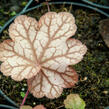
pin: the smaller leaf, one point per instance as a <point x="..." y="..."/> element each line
<point x="39" y="107"/>
<point x="22" y="94"/>
<point x="26" y="107"/>
<point x="73" y="101"/>
<point x="13" y="13"/>
<point x="24" y="3"/>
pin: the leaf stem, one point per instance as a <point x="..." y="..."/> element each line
<point x="60" y="106"/>
<point x="48" y="6"/>
<point x="25" y="98"/>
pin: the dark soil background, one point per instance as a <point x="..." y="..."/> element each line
<point x="93" y="70"/>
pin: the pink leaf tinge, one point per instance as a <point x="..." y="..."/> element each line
<point x="42" y="52"/>
<point x="39" y="107"/>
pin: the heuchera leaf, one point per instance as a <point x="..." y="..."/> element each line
<point x="73" y="101"/>
<point x="26" y="107"/>
<point x="39" y="107"/>
<point x="42" y="52"/>
<point x="29" y="107"/>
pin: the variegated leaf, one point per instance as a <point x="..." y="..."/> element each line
<point x="41" y="52"/>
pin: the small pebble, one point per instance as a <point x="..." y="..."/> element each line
<point x="85" y="78"/>
<point x="34" y="103"/>
<point x="25" y="84"/>
<point x="23" y="89"/>
<point x="105" y="92"/>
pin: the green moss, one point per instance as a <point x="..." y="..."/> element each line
<point x="93" y="70"/>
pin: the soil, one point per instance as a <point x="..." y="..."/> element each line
<point x="93" y="70"/>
